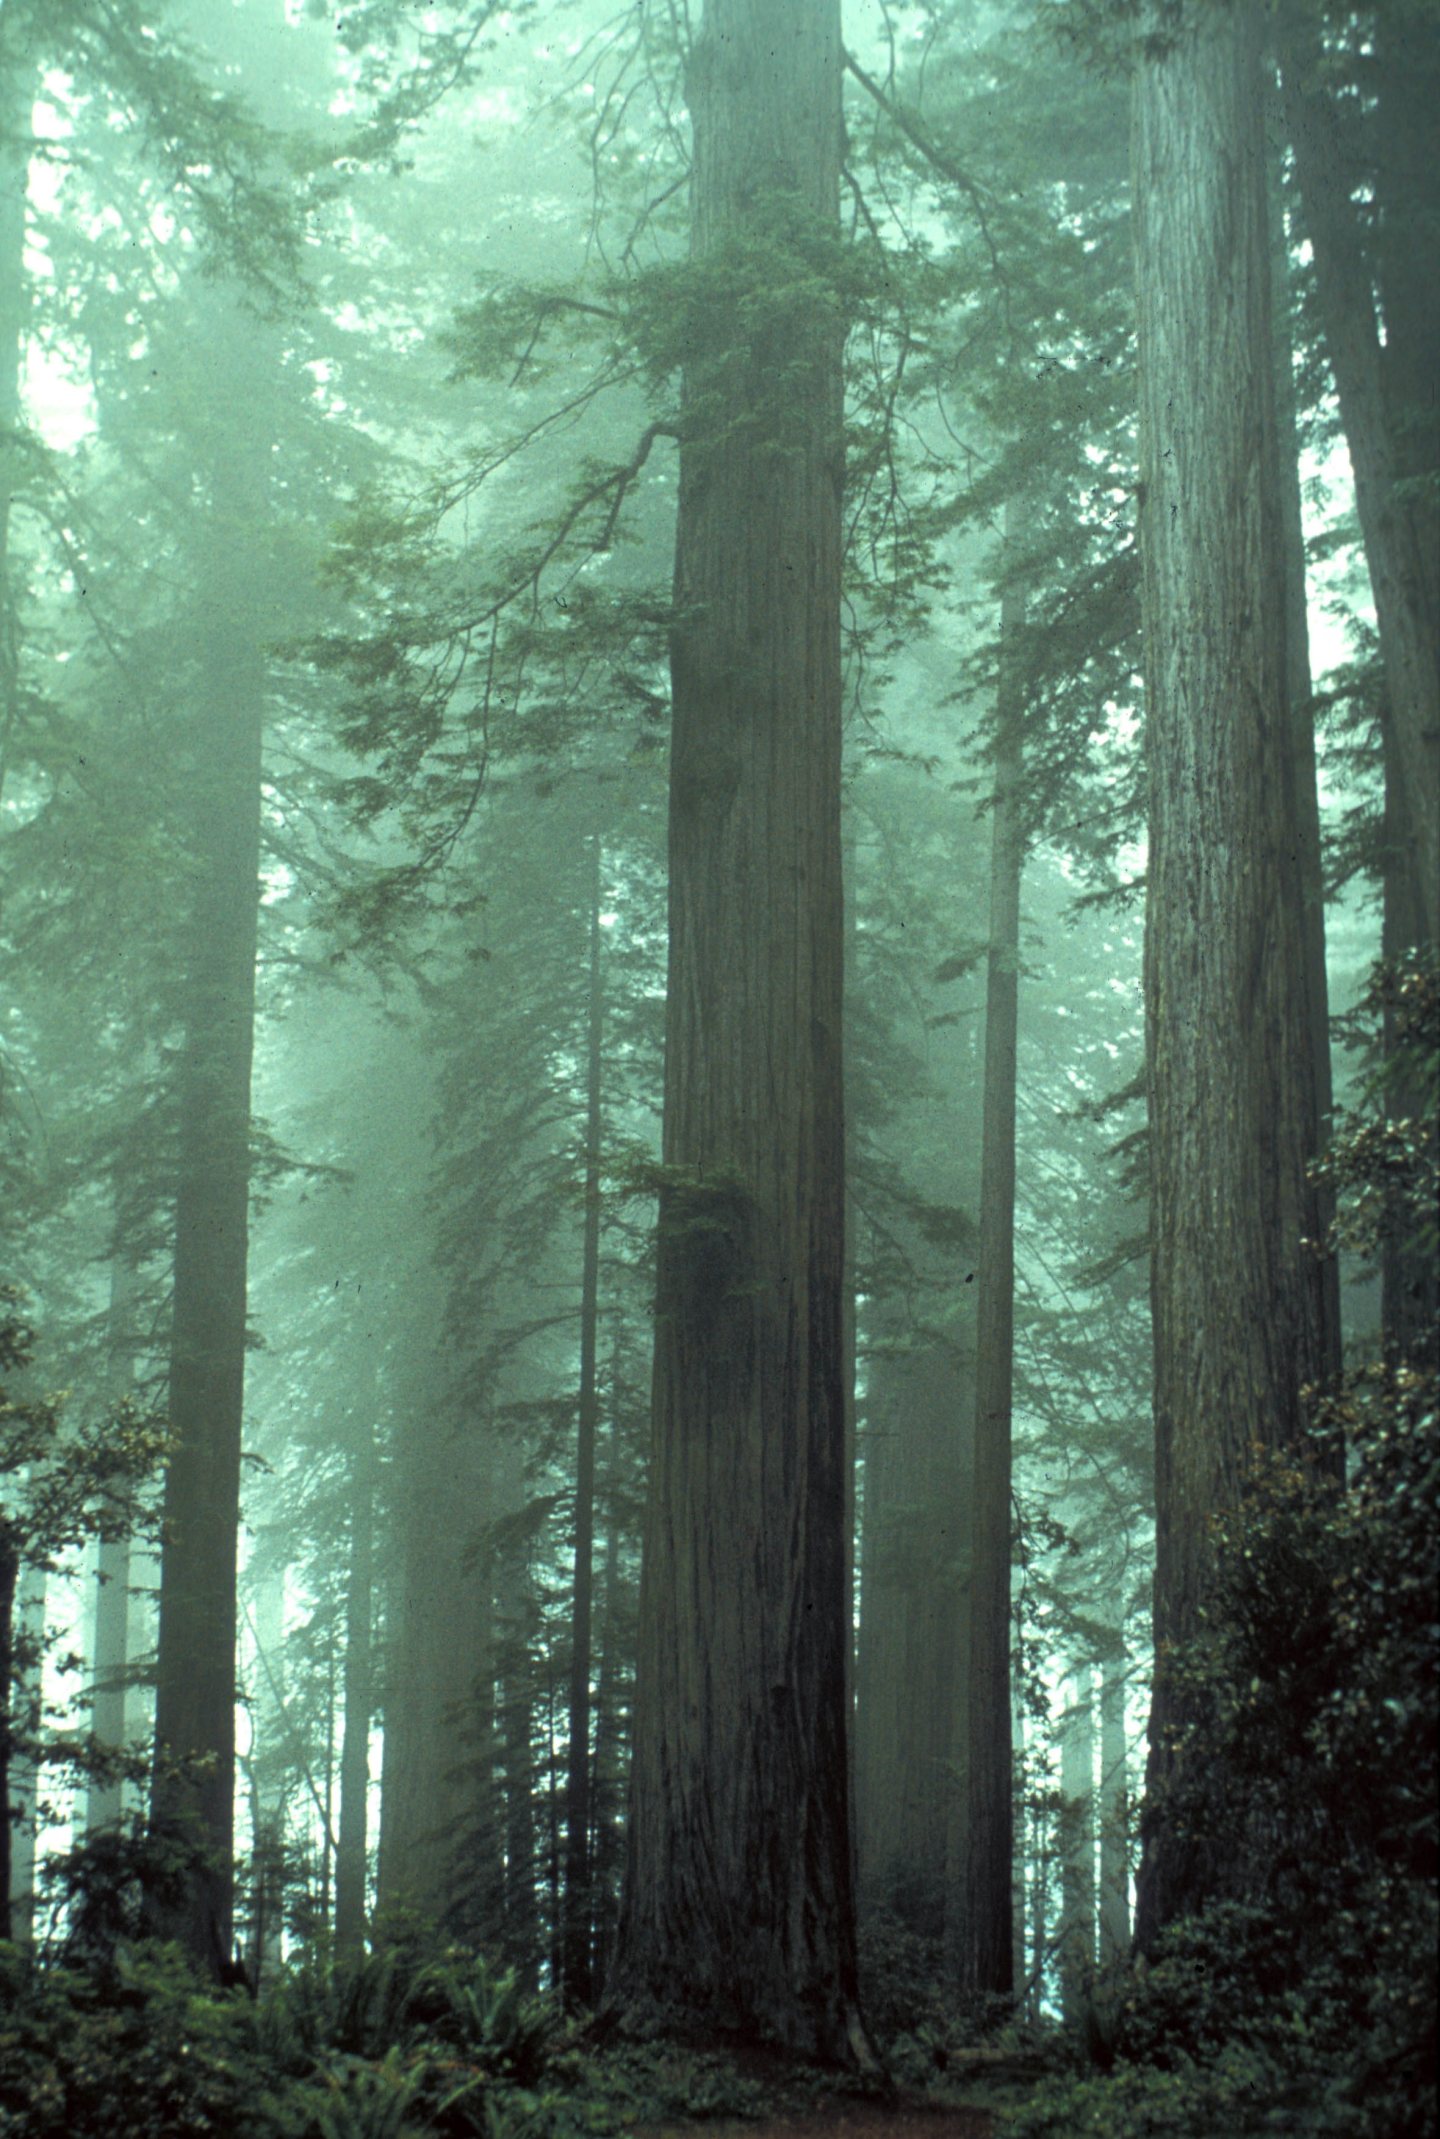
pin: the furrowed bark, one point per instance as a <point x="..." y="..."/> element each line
<point x="738" y="1907"/>
<point x="1237" y="1301"/>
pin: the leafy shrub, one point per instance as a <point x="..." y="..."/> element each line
<point x="902" y="1978"/>
<point x="399" y="1996"/>
<point x="1310" y="1756"/>
<point x="395" y="2045"/>
<point x="140" y="2053"/>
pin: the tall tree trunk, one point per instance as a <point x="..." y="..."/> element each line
<point x="359" y="1697"/>
<point x="110" y="1624"/>
<point x="522" y="1915"/>
<point x="609" y="1755"/>
<point x="1397" y="522"/>
<point x="9" y="1584"/>
<point x="1304" y="769"/>
<point x="577" y="1959"/>
<point x="1077" y="1849"/>
<point x="1114" y="1814"/>
<point x="985" y="1950"/>
<point x="1237" y="1301"/>
<point x="17" y="82"/>
<point x="275" y="1756"/>
<point x="738" y="1904"/>
<point x="1407" y="75"/>
<point x="327" y="1805"/>
<point x="915" y="1603"/>
<point x="1039" y="1910"/>
<point x="194" y="1786"/>
<point x="110" y="1670"/>
<point x="1392" y="426"/>
<point x="24" y="1777"/>
<point x="1018" y="1888"/>
<point x="438" y="1647"/>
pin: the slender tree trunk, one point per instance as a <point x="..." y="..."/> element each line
<point x="9" y="1584"/>
<point x="1398" y="527"/>
<point x="272" y="1766"/>
<point x="1407" y="74"/>
<point x="327" y="1831"/>
<point x="1018" y="1884"/>
<point x="1237" y="1301"/>
<point x="1392" y="426"/>
<point x="985" y="1951"/>
<point x="24" y="1789"/>
<point x="1039" y="1911"/>
<point x="16" y="97"/>
<point x="849" y="1349"/>
<point x="110" y="1636"/>
<point x="351" y="1847"/>
<point x="522" y="1916"/>
<point x="577" y="1959"/>
<point x="110" y="1672"/>
<point x="609" y="1757"/>
<point x="738" y="1905"/>
<point x="1077" y="1849"/>
<point x="1114" y="1815"/>
<point x="193" y="1798"/>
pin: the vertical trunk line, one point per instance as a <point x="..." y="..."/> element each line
<point x="986" y="1944"/>
<point x="358" y="1695"/>
<point x="577" y="1951"/>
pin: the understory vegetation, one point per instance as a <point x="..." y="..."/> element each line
<point x="1309" y="2006"/>
<point x="719" y="1068"/>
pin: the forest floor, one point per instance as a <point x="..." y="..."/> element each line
<point x="784" y="2100"/>
<point x="848" y="2116"/>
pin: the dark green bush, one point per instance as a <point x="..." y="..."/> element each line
<point x="397" y="2044"/>
<point x="1307" y="2000"/>
<point x="141" y="2053"/>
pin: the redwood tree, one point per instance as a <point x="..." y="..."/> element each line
<point x="983" y="1939"/>
<point x="192" y="1803"/>
<point x="577" y="1963"/>
<point x="1372" y="270"/>
<point x="1237" y="1300"/>
<point x="738" y="1907"/>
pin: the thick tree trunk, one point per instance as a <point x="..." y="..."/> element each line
<point x="985" y="1949"/>
<point x="1237" y="1301"/>
<point x="194" y="1787"/>
<point x="359" y="1697"/>
<point x="1303" y="765"/>
<point x="577" y="1960"/>
<point x="738" y="1906"/>
<point x="438" y="1651"/>
<point x="1397" y="517"/>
